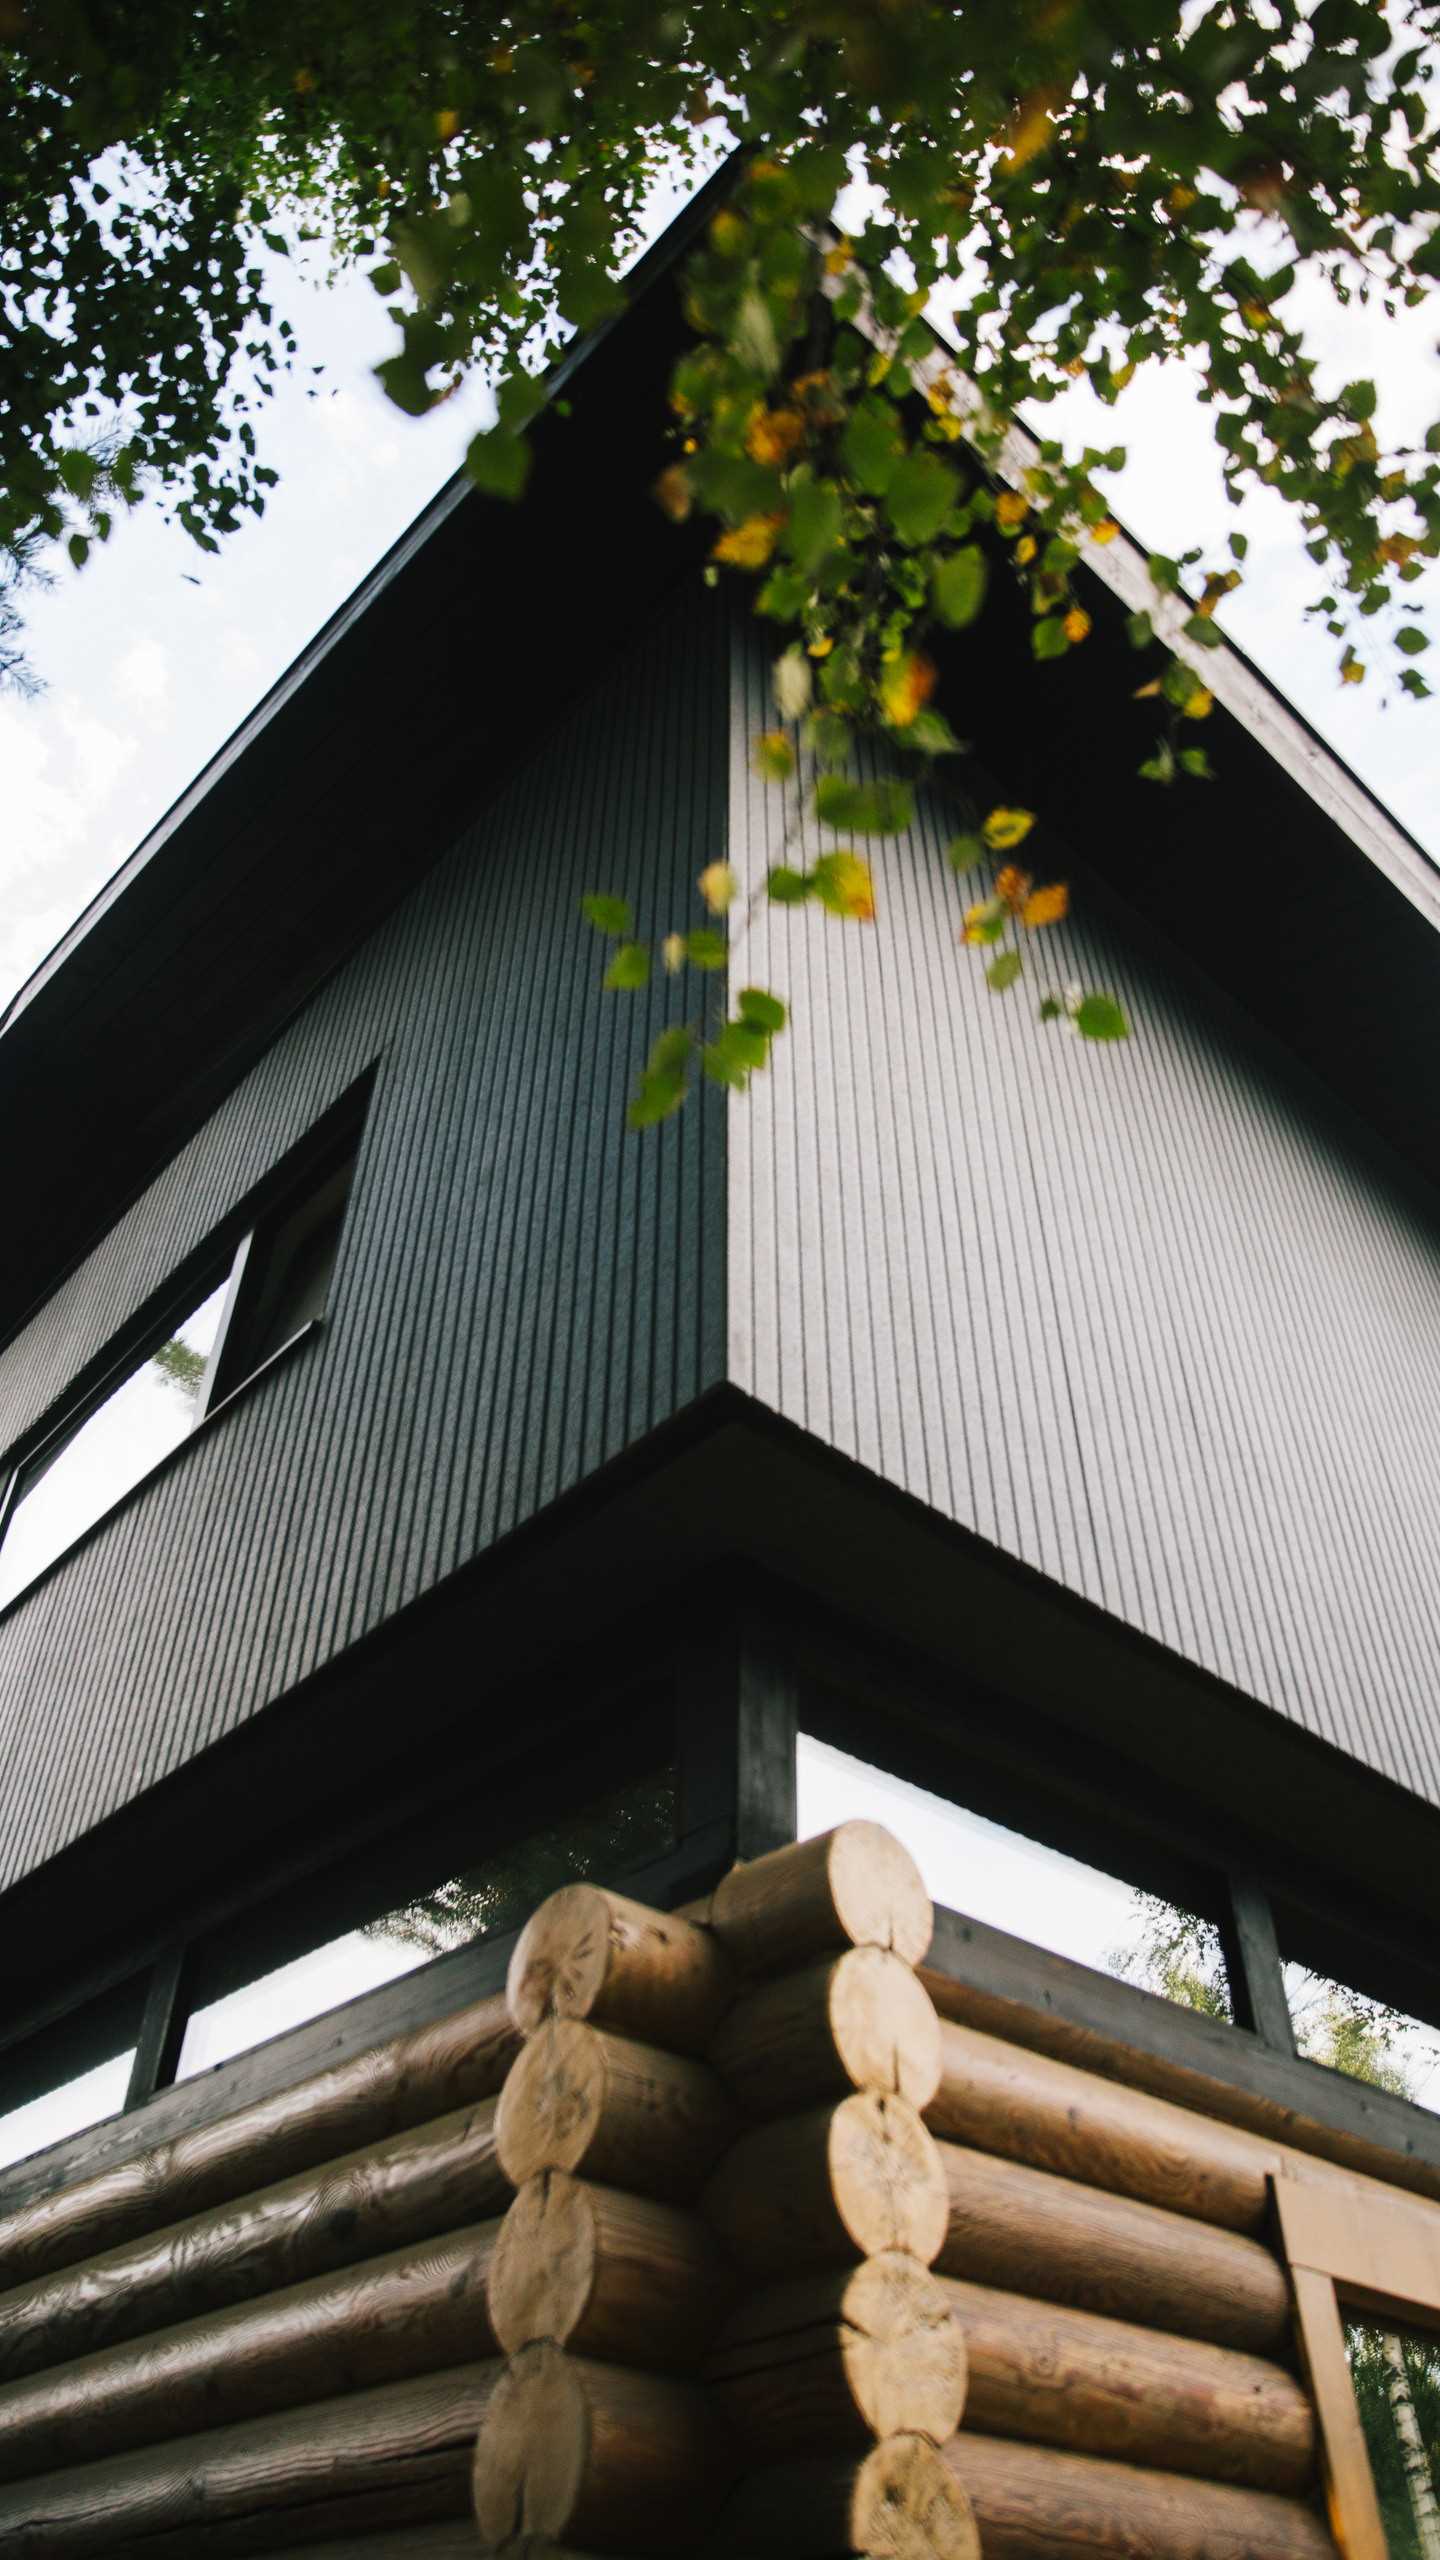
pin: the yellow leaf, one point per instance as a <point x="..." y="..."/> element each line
<point x="1077" y="624"/>
<point x="1147" y="692"/>
<point x="905" y="688"/>
<point x="1047" y="906"/>
<point x="1011" y="510"/>
<point x="985" y="921"/>
<point x="447" y="124"/>
<point x="1032" y="125"/>
<point x="822" y="647"/>
<point x="1397" y="548"/>
<point x="1025" y="549"/>
<point x="727" y="233"/>
<point x="1105" y="531"/>
<point x="773" y="434"/>
<point x="1199" y="704"/>
<point x="1005" y="828"/>
<point x="849" y="887"/>
<point x="879" y="367"/>
<point x="673" y="494"/>
<point x="838" y="258"/>
<point x="718" y="887"/>
<point x="1180" y="199"/>
<point x="1352" y="669"/>
<point x="1012" y="885"/>
<point x="749" y="545"/>
<point x="672" y="952"/>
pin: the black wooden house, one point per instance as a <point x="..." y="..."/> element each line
<point x="1053" y="1429"/>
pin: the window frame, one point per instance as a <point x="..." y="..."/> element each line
<point x="237" y="1265"/>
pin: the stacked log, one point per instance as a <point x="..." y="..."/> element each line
<point x="255" y="2359"/>
<point x="717" y="2261"/>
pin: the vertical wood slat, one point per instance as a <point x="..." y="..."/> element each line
<point x="489" y="1342"/>
<point x="1101" y="1305"/>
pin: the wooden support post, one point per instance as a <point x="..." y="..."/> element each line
<point x="738" y="1715"/>
<point x="1252" y="1961"/>
<point x="594" y="2455"/>
<point x="595" y="1955"/>
<point x="1029" y="2501"/>
<point x="1027" y="2232"/>
<point x="618" y="2113"/>
<point x="899" y="2502"/>
<point x="839" y="2183"/>
<point x="606" y="2275"/>
<point x="1354" y="2508"/>
<point x="162" y="2031"/>
<point x="836" y="2360"/>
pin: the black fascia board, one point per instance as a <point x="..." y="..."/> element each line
<point x="1283" y="880"/>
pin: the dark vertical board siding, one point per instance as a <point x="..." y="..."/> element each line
<point x="1154" y="1318"/>
<point x="523" y="1287"/>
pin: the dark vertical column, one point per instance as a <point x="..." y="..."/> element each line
<point x="737" y="1715"/>
<point x="1252" y="1960"/>
<point x="162" y="2031"/>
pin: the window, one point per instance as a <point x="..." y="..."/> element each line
<point x="1395" y="2374"/>
<point x="1368" y="2039"/>
<point x="257" y="1295"/>
<point x="981" y="1869"/>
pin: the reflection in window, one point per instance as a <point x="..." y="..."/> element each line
<point x="605" y="1839"/>
<point x="77" y="1477"/>
<point x="1397" y="2387"/>
<point x="1365" y="2038"/>
<point x="80" y="2102"/>
<point x="979" y="1868"/>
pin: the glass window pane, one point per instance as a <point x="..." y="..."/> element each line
<point x="1397" y="2386"/>
<point x="70" y="1485"/>
<point x="605" y="1839"/>
<point x="977" y="1867"/>
<point x="1364" y="2037"/>
<point x="87" y="2100"/>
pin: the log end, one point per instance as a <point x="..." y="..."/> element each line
<point x="561" y="1958"/>
<point x="851" y="1887"/>
<point x="908" y="2506"/>
<point x="552" y="2102"/>
<point x="888" y="2178"/>
<point x="542" y="2274"/>
<point x="533" y="2451"/>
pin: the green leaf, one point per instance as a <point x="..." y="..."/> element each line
<point x="79" y="549"/>
<point x="1411" y="640"/>
<point x="1201" y="630"/>
<point x="963" y="852"/>
<point x="873" y="446"/>
<point x="864" y="808"/>
<point x="386" y="278"/>
<point x="498" y="462"/>
<point x="608" y="915"/>
<point x="79" y="471"/>
<point x="1161" y="766"/>
<point x="630" y="967"/>
<point x="919" y="496"/>
<point x="706" y="949"/>
<point x="789" y="888"/>
<point x="1194" y="760"/>
<point x="755" y="341"/>
<point x="1139" y="630"/>
<point x="1164" y="573"/>
<point x="1051" y="1009"/>
<point x="1049" y="639"/>
<point x="959" y="586"/>
<point x="1101" y="1018"/>
<point x="827" y="735"/>
<point x="765" y="1012"/>
<point x="930" y="734"/>
<point x="1003" y="972"/>
<point x="816" y="516"/>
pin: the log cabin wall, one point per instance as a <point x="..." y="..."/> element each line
<point x="1102" y="1307"/>
<point x="519" y="1295"/>
<point x="718" y="2235"/>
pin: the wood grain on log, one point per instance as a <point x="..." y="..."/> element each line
<point x="838" y="2359"/>
<point x="618" y="2278"/>
<point x="431" y="2072"/>
<point x="439" y="2177"/>
<point x="838" y="2183"/>
<point x="373" y="2460"/>
<point x="1031" y="2504"/>
<point x="852" y="1887"/>
<point x="421" y="2310"/>
<point x="1027" y="2232"/>
<point x="1075" y="2380"/>
<point x="1000" y="2097"/>
<point x="593" y="2455"/>
<point x="900" y="2501"/>
<point x="860" y="2021"/>
<point x="648" y="1974"/>
<point x="623" y="2114"/>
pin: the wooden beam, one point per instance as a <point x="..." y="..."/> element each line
<point x="1349" y="2482"/>
<point x="899" y="2502"/>
<point x="162" y="2031"/>
<point x="863" y="2021"/>
<point x="618" y="2113"/>
<point x="437" y="2178"/>
<point x="851" y="1887"/>
<point x="1029" y="2501"/>
<point x="1252" y="1961"/>
<point x="837" y="2184"/>
<point x="840" y="2359"/>
<point x="419" y="2310"/>
<point x="589" y="1953"/>
<point x="594" y="2455"/>
<point x="615" y="2277"/>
